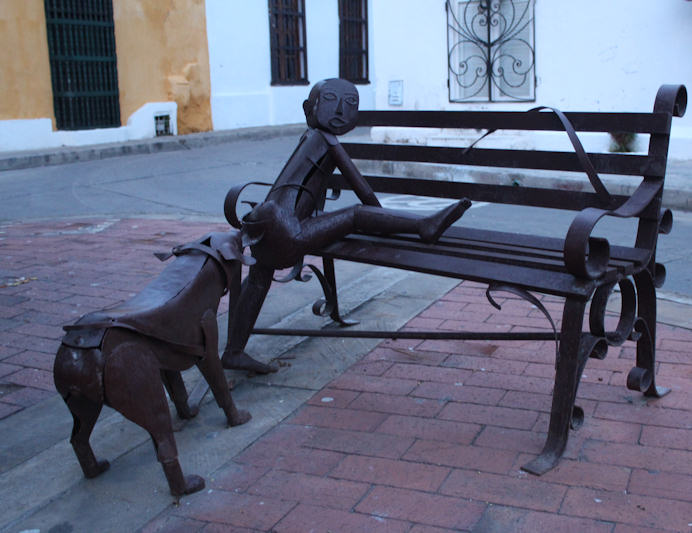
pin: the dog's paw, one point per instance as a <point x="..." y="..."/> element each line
<point x="193" y="483"/>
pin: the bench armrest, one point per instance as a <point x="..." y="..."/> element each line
<point x="586" y="256"/>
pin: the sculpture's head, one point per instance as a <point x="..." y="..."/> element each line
<point x="332" y="106"/>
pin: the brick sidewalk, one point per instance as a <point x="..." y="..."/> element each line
<point x="418" y="436"/>
<point x="429" y="436"/>
<point x="52" y="273"/>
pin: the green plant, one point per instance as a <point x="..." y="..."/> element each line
<point x="622" y="141"/>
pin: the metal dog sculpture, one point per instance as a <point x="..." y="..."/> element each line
<point x="124" y="356"/>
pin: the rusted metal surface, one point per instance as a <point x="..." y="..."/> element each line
<point x="579" y="266"/>
<point x="124" y="356"/>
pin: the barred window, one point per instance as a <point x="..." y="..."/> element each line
<point x="287" y="37"/>
<point x="491" y="50"/>
<point x="83" y="65"/>
<point x="353" y="40"/>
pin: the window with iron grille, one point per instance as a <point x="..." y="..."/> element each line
<point x="491" y="50"/>
<point x="353" y="40"/>
<point x="81" y="46"/>
<point x="288" y="47"/>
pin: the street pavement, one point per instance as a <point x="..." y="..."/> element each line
<point x="350" y="434"/>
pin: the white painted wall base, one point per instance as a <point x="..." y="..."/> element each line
<point x="34" y="134"/>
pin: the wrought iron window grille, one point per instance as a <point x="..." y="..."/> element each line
<point x="162" y="125"/>
<point x="353" y="40"/>
<point x="491" y="52"/>
<point x="83" y="64"/>
<point x="289" y="64"/>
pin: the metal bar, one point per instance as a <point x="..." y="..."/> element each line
<point x="520" y="120"/>
<point x="479" y="192"/>
<point x="633" y="165"/>
<point x="428" y="335"/>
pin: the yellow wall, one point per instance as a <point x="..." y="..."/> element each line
<point x="24" y="66"/>
<point x="162" y="56"/>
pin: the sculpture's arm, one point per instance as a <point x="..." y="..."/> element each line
<point x="350" y="172"/>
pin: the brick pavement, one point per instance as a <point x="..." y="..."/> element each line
<point x="419" y="436"/>
<point x="51" y="273"/>
<point x="428" y="436"/>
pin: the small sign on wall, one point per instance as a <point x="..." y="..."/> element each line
<point x="396" y="92"/>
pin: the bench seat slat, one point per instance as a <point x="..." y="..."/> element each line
<point x="632" y="165"/>
<point x="519" y="120"/>
<point x="544" y="254"/>
<point x="466" y="253"/>
<point x="619" y="253"/>
<point x="555" y="283"/>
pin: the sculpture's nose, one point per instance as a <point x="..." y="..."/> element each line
<point x="340" y="107"/>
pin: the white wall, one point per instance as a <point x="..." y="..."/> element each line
<point x="591" y="55"/>
<point x="33" y="134"/>
<point x="239" y="56"/>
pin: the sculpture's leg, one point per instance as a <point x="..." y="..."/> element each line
<point x="643" y="376"/>
<point x="376" y="220"/>
<point x="133" y="387"/>
<point x="175" y="386"/>
<point x="210" y="367"/>
<point x="568" y="371"/>
<point x="246" y="309"/>
<point x="85" y="412"/>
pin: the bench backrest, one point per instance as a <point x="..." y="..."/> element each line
<point x="670" y="101"/>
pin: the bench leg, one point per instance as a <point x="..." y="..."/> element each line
<point x="643" y="376"/>
<point x="570" y="364"/>
<point x="331" y="298"/>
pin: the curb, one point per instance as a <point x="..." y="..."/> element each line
<point x="64" y="155"/>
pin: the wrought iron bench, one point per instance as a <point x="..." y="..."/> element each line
<point x="578" y="266"/>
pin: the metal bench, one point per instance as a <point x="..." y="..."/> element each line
<point x="577" y="267"/>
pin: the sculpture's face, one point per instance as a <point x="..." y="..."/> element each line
<point x="332" y="106"/>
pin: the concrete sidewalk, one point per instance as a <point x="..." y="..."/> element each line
<point x="350" y="435"/>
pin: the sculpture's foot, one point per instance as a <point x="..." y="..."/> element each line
<point x="432" y="227"/>
<point x="242" y="361"/>
<point x="240" y="418"/>
<point x="101" y="466"/>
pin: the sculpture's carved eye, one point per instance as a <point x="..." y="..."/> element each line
<point x="329" y="96"/>
<point x="351" y="100"/>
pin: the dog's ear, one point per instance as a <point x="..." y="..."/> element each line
<point x="229" y="245"/>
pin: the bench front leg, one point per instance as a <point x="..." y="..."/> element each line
<point x="575" y="348"/>
<point x="643" y="376"/>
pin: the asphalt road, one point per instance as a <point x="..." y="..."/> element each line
<point x="192" y="184"/>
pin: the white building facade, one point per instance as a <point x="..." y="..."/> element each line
<point x="585" y="56"/>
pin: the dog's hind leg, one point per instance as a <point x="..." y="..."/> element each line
<point x="133" y="386"/>
<point x="77" y="376"/>
<point x="211" y="369"/>
<point x="85" y="412"/>
<point x="175" y="386"/>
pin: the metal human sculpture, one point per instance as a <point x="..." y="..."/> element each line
<point x="281" y="230"/>
<point x="124" y="356"/>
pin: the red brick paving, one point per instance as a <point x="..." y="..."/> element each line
<point x="419" y="437"/>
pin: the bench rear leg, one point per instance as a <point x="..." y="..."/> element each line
<point x="332" y="299"/>
<point x="570" y="365"/>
